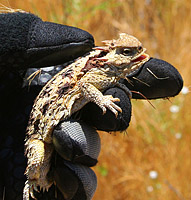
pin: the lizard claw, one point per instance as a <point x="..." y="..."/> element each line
<point x="45" y="188"/>
<point x="108" y="102"/>
<point x="29" y="188"/>
<point x="32" y="187"/>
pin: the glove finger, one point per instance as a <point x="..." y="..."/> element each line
<point x="80" y="181"/>
<point x="53" y="44"/>
<point x="153" y="78"/>
<point x="26" y="40"/>
<point x="77" y="142"/>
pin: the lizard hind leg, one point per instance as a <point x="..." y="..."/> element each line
<point x="28" y="190"/>
<point x="39" y="156"/>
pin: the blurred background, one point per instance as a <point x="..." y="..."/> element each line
<point x="152" y="160"/>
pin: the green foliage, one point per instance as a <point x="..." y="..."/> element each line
<point x="102" y="170"/>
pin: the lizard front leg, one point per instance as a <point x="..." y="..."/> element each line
<point x="90" y="92"/>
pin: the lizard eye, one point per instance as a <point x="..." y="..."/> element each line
<point x="127" y="52"/>
<point x="140" y="48"/>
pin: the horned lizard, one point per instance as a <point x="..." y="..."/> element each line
<point x="68" y="91"/>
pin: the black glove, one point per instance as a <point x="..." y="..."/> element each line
<point x="38" y="44"/>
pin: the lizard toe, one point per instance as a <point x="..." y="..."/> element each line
<point x="108" y="102"/>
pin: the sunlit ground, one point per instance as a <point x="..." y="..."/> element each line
<point x="153" y="161"/>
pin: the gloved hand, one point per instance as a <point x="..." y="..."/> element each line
<point x="163" y="81"/>
<point x="27" y="41"/>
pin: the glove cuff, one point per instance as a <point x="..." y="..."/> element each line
<point x="14" y="29"/>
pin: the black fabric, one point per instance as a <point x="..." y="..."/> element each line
<point x="93" y="115"/>
<point x="53" y="44"/>
<point x="69" y="150"/>
<point x="14" y="29"/>
<point x="52" y="34"/>
<point x="72" y="145"/>
<point x="12" y="169"/>
<point x="63" y="143"/>
<point x="72" y="188"/>
<point x="27" y="41"/>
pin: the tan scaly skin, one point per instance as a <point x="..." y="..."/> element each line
<point x="68" y="91"/>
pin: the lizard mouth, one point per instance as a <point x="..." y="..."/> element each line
<point x="140" y="58"/>
<point x="137" y="64"/>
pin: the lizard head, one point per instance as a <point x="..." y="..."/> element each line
<point x="124" y="55"/>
